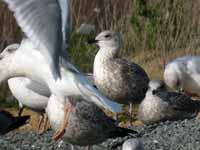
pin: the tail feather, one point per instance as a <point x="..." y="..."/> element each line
<point x="8" y="122"/>
<point x="123" y="132"/>
<point x="19" y="121"/>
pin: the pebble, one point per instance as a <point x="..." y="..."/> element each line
<point x="169" y="135"/>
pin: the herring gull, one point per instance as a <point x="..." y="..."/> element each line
<point x="39" y="56"/>
<point x="119" y="79"/>
<point x="87" y="124"/>
<point x="160" y="104"/>
<point x="183" y="74"/>
<point x="33" y="95"/>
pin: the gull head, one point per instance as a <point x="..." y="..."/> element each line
<point x="107" y="40"/>
<point x="155" y="85"/>
<point x="6" y="57"/>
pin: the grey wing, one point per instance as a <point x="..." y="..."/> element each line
<point x="90" y="77"/>
<point x="136" y="79"/>
<point x="133" y="68"/>
<point x="66" y="24"/>
<point x="66" y="28"/>
<point x="41" y="22"/>
<point x="179" y="101"/>
<point x="40" y="88"/>
<point x="193" y="65"/>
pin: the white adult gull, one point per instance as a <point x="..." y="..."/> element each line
<point x="183" y="74"/>
<point x="38" y="56"/>
<point x="33" y="95"/>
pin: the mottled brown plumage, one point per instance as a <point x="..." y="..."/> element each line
<point x="123" y="81"/>
<point x="160" y="104"/>
<point x="117" y="78"/>
<point x="87" y="124"/>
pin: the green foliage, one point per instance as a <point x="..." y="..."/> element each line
<point x="165" y="25"/>
<point x="4" y="92"/>
<point x="144" y="21"/>
<point x="82" y="54"/>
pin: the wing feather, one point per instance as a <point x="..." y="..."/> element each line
<point x="41" y="21"/>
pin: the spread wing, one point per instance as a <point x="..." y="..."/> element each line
<point x="41" y="21"/>
<point x="66" y="24"/>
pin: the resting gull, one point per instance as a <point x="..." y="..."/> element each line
<point x="183" y="74"/>
<point x="117" y="78"/>
<point x="39" y="56"/>
<point x="87" y="124"/>
<point x="8" y="122"/>
<point x="160" y="104"/>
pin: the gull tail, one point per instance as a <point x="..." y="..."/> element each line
<point x="122" y="132"/>
<point x="8" y="122"/>
<point x="92" y="94"/>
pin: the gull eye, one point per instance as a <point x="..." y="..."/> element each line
<point x="11" y="50"/>
<point x="107" y="35"/>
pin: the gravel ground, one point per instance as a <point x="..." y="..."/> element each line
<point x="177" y="135"/>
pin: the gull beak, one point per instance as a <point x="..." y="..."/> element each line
<point x="92" y="41"/>
<point x="154" y="92"/>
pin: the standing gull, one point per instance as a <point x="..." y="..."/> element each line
<point x="39" y="56"/>
<point x="160" y="104"/>
<point x="117" y="78"/>
<point x="29" y="93"/>
<point x="87" y="125"/>
<point x="183" y="74"/>
<point x="33" y="95"/>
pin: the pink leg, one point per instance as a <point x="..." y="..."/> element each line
<point x="42" y="127"/>
<point x="60" y="132"/>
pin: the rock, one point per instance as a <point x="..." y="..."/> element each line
<point x="133" y="144"/>
<point x="86" y="28"/>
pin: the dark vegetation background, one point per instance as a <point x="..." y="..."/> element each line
<point x="153" y="31"/>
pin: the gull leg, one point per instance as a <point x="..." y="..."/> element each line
<point x="130" y="113"/>
<point x="20" y="111"/>
<point x="72" y="147"/>
<point x="43" y="124"/>
<point x="116" y="118"/>
<point x="68" y="108"/>
<point x="41" y="118"/>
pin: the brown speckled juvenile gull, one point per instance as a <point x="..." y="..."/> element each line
<point x="160" y="104"/>
<point x="87" y="124"/>
<point x="121" y="80"/>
